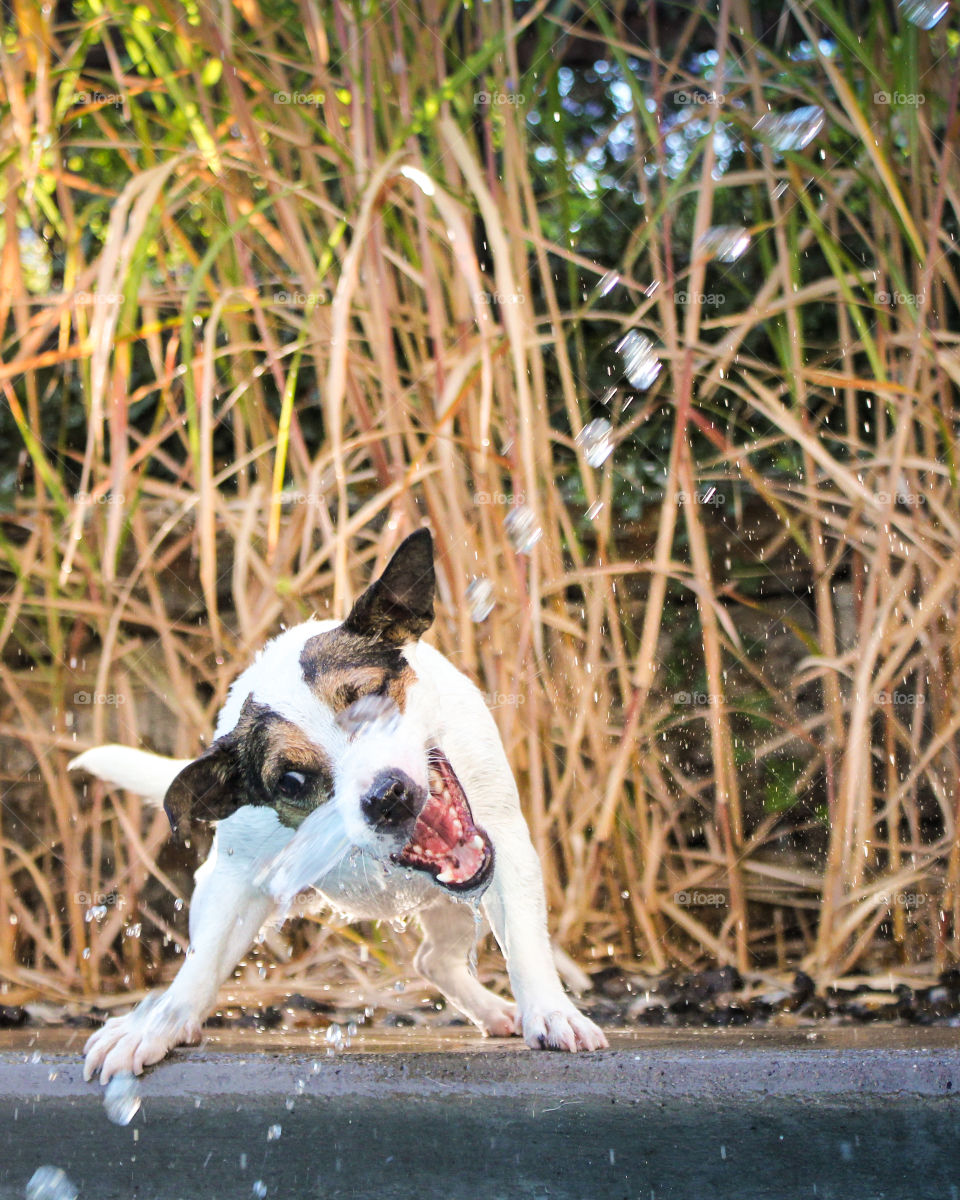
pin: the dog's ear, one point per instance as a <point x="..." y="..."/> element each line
<point x="207" y="789"/>
<point x="398" y="607"/>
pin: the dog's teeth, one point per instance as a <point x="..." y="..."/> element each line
<point x="476" y="842"/>
<point x="447" y="875"/>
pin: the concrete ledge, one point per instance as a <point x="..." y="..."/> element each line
<point x="847" y="1114"/>
<point x="689" y="1064"/>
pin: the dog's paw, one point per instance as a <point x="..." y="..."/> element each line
<point x="560" y="1027"/>
<point x="498" y="1018"/>
<point x="139" y="1039"/>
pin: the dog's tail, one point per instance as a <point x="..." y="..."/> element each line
<point x="149" y="775"/>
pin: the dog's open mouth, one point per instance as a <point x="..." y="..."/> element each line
<point x="445" y="841"/>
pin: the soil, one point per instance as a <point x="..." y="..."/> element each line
<point x="712" y="998"/>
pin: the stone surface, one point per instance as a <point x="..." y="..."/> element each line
<point x="849" y="1114"/>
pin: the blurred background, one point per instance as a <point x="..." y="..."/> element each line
<point x="650" y="312"/>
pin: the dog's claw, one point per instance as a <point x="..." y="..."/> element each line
<point x="561" y="1029"/>
<point x="137" y="1040"/>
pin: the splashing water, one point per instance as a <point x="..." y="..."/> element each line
<point x="726" y="243"/>
<point x="50" y="1183"/>
<point x="522" y="529"/>
<point x="640" y="359"/>
<point x="367" y="712"/>
<point x="792" y="130"/>
<point x="607" y="283"/>
<point x="596" y="441"/>
<point x="122" y="1099"/>
<point x="317" y="847"/>
<point x="480" y="599"/>
<point x="924" y="13"/>
<point x="594" y="511"/>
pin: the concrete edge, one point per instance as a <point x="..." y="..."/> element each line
<point x="623" y="1075"/>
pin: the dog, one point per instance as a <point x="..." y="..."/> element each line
<point x="354" y="763"/>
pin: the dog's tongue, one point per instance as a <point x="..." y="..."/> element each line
<point x="445" y="841"/>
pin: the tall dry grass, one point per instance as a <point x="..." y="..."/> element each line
<point x="277" y="288"/>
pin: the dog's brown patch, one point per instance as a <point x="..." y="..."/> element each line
<point x="245" y="766"/>
<point x="340" y="667"/>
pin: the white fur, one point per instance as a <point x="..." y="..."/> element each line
<point x="258" y="867"/>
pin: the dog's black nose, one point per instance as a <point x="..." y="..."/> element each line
<point x="392" y="799"/>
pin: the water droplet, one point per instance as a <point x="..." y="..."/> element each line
<point x="363" y="714"/>
<point x="50" y="1183"/>
<point x="122" y="1100"/>
<point x="334" y="1035"/>
<point x="480" y="599"/>
<point x="594" y="510"/>
<point x="596" y="441"/>
<point x="273" y="1133"/>
<point x="924" y="13"/>
<point x="259" y="1189"/>
<point x="522" y="529"/>
<point x="792" y="130"/>
<point x="726" y="243"/>
<point x="607" y="283"/>
<point x="640" y="359"/>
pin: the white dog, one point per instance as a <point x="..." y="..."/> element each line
<point x="356" y="764"/>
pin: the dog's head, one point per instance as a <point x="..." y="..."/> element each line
<point x="328" y="715"/>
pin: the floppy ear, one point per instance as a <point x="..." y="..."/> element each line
<point x="398" y="607"/>
<point x="208" y="788"/>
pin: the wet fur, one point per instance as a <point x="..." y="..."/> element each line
<point x="283" y="710"/>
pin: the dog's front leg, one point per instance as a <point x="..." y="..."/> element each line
<point x="516" y="907"/>
<point x="226" y="913"/>
<point x="449" y="940"/>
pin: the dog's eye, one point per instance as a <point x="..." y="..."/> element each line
<point x="292" y="784"/>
